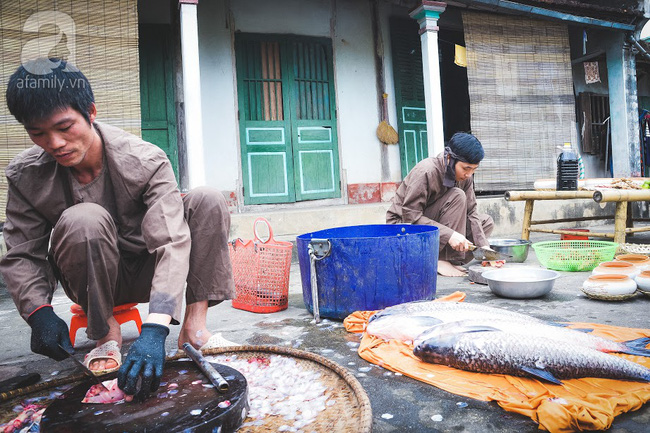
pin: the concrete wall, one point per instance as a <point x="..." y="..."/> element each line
<point x="386" y="10"/>
<point x="218" y="97"/>
<point x="507" y="216"/>
<point x="618" y="80"/>
<point x="356" y="92"/>
<point x="594" y="167"/>
<point x="347" y="23"/>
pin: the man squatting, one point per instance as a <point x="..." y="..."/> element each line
<point x="98" y="210"/>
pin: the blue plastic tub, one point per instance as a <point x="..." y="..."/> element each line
<point x="371" y="267"/>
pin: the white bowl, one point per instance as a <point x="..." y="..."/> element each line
<point x="641" y="261"/>
<point x="643" y="281"/>
<point x="617" y="268"/>
<point x="609" y="284"/>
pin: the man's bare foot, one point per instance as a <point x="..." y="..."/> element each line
<point x="194" y="330"/>
<point x="114" y="333"/>
<point x="460" y="268"/>
<point x="446" y="269"/>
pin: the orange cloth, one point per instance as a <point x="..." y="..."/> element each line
<point x="577" y="405"/>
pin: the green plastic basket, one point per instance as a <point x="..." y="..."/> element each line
<point x="574" y="256"/>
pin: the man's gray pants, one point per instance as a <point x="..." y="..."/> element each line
<point x="451" y="210"/>
<point x="96" y="274"/>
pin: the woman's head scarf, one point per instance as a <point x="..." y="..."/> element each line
<point x="462" y="147"/>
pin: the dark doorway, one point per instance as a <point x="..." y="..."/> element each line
<point x="455" y="94"/>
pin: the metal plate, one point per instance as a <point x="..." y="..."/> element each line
<point x="521" y="282"/>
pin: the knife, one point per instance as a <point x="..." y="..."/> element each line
<point x="85" y="369"/>
<point x="482" y="253"/>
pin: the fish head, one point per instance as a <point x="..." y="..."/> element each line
<point x="434" y="350"/>
<point x="400" y="326"/>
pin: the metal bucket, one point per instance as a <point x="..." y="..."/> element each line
<point x="368" y="267"/>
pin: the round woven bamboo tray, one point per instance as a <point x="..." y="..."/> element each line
<point x="605" y="297"/>
<point x="643" y="292"/>
<point x="635" y="249"/>
<point x="352" y="411"/>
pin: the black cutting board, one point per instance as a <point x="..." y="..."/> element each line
<point x="162" y="411"/>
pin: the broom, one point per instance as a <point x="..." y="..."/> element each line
<point x="386" y="133"/>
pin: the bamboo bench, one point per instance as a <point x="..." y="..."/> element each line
<point x="623" y="222"/>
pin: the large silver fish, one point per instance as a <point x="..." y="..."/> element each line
<point x="549" y="331"/>
<point x="488" y="350"/>
<point x="405" y="322"/>
<point x="450" y="311"/>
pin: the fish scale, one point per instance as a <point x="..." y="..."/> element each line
<point x="505" y="353"/>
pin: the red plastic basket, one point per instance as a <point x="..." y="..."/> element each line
<point x="261" y="272"/>
<point x="575" y="237"/>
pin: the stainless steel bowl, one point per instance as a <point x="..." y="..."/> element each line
<point x="517" y="248"/>
<point x="521" y="283"/>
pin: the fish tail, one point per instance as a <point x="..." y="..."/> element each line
<point x="637" y="347"/>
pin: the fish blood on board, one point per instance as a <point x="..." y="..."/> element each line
<point x="97" y="394"/>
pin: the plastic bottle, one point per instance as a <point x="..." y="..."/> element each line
<point x="567" y="169"/>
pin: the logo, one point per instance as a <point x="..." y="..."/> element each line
<point x="40" y="47"/>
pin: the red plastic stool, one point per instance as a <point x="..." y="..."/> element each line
<point x="122" y="313"/>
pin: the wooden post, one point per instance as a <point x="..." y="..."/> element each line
<point x="528" y="216"/>
<point x="629" y="223"/>
<point x="620" y="221"/>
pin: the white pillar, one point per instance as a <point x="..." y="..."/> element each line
<point x="427" y="15"/>
<point x="192" y="92"/>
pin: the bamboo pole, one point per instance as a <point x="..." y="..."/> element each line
<point x="528" y="215"/>
<point x="637" y="230"/>
<point x="571" y="232"/>
<point x="620" y="221"/>
<point x="41" y="386"/>
<point x="568" y="220"/>
<point x="547" y="195"/>
<point x="618" y="195"/>
<point x="629" y="221"/>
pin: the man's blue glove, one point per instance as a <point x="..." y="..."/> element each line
<point x="146" y="358"/>
<point x="48" y="331"/>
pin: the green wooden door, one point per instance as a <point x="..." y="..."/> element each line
<point x="314" y="137"/>
<point x="409" y="92"/>
<point x="286" y="118"/>
<point x="157" y="90"/>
